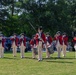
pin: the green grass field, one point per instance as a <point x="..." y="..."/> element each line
<point x="10" y="65"/>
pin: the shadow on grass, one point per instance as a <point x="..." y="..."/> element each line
<point x="59" y="61"/>
<point x="14" y="58"/>
<point x="64" y="58"/>
<point x="30" y="58"/>
<point x="18" y="58"/>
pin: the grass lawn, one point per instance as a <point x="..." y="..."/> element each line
<point x="10" y="65"/>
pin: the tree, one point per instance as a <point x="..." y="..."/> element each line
<point x="22" y="15"/>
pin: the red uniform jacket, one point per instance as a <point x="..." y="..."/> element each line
<point x="23" y="40"/>
<point x="16" y="41"/>
<point x="42" y="37"/>
<point x="74" y="40"/>
<point x="3" y="42"/>
<point x="65" y="40"/>
<point x="49" y="39"/>
<point x="59" y="38"/>
<point x="32" y="42"/>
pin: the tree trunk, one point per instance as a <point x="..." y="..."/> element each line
<point x="12" y="7"/>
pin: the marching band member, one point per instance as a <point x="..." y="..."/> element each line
<point x="74" y="41"/>
<point x="48" y="45"/>
<point x="15" y="42"/>
<point x="65" y="43"/>
<point x="2" y="42"/>
<point x="58" y="38"/>
<point x="40" y="39"/>
<point x="34" y="47"/>
<point x="22" y="45"/>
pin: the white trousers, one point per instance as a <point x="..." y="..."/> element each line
<point x="1" y="51"/>
<point x="33" y="54"/>
<point x="22" y="50"/>
<point x="47" y="53"/>
<point x="14" y="49"/>
<point x="40" y="50"/>
<point x="59" y="48"/>
<point x="64" y="47"/>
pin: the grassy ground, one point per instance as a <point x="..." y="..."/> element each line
<point x="10" y="65"/>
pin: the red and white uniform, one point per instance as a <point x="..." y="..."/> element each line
<point x="2" y="43"/>
<point x="33" y="46"/>
<point x="22" y="46"/>
<point x="58" y="40"/>
<point x="48" y="41"/>
<point x="59" y="44"/>
<point x="23" y="41"/>
<point x="65" y="43"/>
<point x="33" y="43"/>
<point x="40" y="39"/>
<point x="74" y="41"/>
<point x="65" y="40"/>
<point x="48" y="44"/>
<point x="15" y="42"/>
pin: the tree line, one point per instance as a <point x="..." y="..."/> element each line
<point x="26" y="15"/>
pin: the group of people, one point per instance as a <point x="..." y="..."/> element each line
<point x="41" y="40"/>
<point x="15" y="43"/>
<point x="37" y="43"/>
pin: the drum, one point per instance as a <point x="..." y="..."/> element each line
<point x="35" y="51"/>
<point x="50" y="50"/>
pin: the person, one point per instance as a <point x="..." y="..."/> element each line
<point x="65" y="43"/>
<point x="33" y="47"/>
<point x="15" y="41"/>
<point x="48" y="45"/>
<point x="2" y="43"/>
<point x="40" y="39"/>
<point x="58" y="39"/>
<point x="22" y="45"/>
<point x="74" y="41"/>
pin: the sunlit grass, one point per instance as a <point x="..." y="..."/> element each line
<point x="10" y="65"/>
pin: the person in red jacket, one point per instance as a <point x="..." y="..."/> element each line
<point x="22" y="44"/>
<point x="33" y="47"/>
<point x="74" y="41"/>
<point x="65" y="43"/>
<point x="40" y="39"/>
<point x="2" y="42"/>
<point x="48" y="45"/>
<point x="59" y="43"/>
<point x="15" y="42"/>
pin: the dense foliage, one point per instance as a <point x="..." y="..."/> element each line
<point x="20" y="15"/>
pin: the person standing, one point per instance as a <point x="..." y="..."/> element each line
<point x="48" y="45"/>
<point x="15" y="42"/>
<point x="40" y="39"/>
<point x="65" y="43"/>
<point x="59" y="43"/>
<point x="2" y="43"/>
<point x="22" y="45"/>
<point x="74" y="41"/>
<point x="33" y="47"/>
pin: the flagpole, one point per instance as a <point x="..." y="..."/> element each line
<point x="32" y="26"/>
